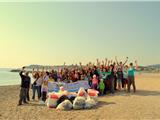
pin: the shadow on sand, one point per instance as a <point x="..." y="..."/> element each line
<point x="103" y="103"/>
<point x="139" y="93"/>
<point x="122" y="93"/>
<point x="147" y="93"/>
<point x="34" y="104"/>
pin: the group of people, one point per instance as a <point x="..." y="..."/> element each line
<point x="106" y="77"/>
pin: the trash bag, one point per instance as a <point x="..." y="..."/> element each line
<point x="61" y="99"/>
<point x="62" y="91"/>
<point x="82" y="92"/>
<point x="52" y="100"/>
<point x="72" y="98"/>
<point x="65" y="105"/>
<point x="79" y="103"/>
<point x="93" y="94"/>
<point x="90" y="103"/>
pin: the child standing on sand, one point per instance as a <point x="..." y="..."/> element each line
<point x="94" y="82"/>
<point x="101" y="87"/>
<point x="44" y="88"/>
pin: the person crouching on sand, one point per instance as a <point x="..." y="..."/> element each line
<point x="131" y="76"/>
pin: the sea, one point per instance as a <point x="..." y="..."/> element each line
<point x="9" y="78"/>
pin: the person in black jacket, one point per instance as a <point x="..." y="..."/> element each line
<point x="25" y="82"/>
<point x="28" y="83"/>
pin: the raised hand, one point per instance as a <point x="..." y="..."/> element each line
<point x="106" y="59"/>
<point x="109" y="62"/>
<point x="23" y="68"/>
<point x="136" y="62"/>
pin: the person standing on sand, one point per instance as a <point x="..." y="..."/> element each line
<point x="125" y="76"/>
<point x="120" y="67"/>
<point x="24" y="86"/>
<point x="111" y="78"/>
<point x="131" y="76"/>
<point x="35" y="86"/>
<point x="28" y="80"/>
<point x="94" y="82"/>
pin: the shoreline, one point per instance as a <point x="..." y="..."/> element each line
<point x="137" y="74"/>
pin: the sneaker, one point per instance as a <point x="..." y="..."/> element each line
<point x="25" y="102"/>
<point x="19" y="104"/>
<point x="41" y="102"/>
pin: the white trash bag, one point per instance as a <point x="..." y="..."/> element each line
<point x="93" y="94"/>
<point x="90" y="103"/>
<point x="79" y="103"/>
<point x="65" y="105"/>
<point x="82" y="92"/>
<point x="52" y="100"/>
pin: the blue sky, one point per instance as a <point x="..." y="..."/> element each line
<point x="54" y="32"/>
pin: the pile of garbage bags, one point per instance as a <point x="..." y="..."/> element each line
<point x="64" y="100"/>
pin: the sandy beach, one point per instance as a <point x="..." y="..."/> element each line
<point x="144" y="104"/>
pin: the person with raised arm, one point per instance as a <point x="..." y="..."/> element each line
<point x="106" y="62"/>
<point x="111" y="78"/>
<point x="81" y="66"/>
<point x="120" y="66"/>
<point x="98" y="63"/>
<point x="121" y="63"/>
<point x="24" y="87"/>
<point x="131" y="76"/>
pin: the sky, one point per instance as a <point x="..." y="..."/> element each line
<point x="51" y="33"/>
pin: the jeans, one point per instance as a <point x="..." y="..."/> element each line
<point x="38" y="89"/>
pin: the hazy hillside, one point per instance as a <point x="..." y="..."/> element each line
<point x="149" y="68"/>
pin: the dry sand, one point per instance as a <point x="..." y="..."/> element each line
<point x="142" y="105"/>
